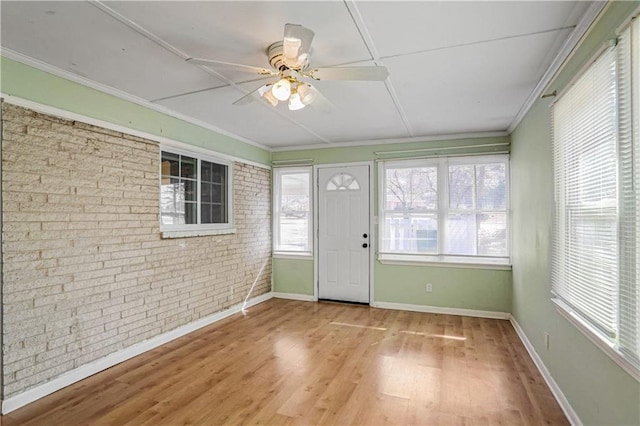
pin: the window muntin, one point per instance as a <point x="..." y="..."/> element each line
<point x="292" y="210"/>
<point x="194" y="192"/>
<point x="445" y="208"/>
<point x="343" y="182"/>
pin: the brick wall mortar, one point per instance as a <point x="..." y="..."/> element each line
<point x="85" y="270"/>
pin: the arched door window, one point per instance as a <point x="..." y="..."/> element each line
<point x="343" y="182"/>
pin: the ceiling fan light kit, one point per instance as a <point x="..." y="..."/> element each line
<point x="282" y="89"/>
<point x="295" y="103"/>
<point x="267" y="94"/>
<point x="298" y="94"/>
<point x="289" y="59"/>
<point x="307" y="93"/>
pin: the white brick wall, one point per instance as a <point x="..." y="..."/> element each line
<point x="85" y="271"/>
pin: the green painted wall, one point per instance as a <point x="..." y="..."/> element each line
<point x="26" y="82"/>
<point x="293" y="276"/>
<point x="598" y="390"/>
<point x="487" y="290"/>
<point x="481" y="289"/>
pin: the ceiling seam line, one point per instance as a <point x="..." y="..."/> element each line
<point x="165" y="98"/>
<point x="159" y="41"/>
<point x="362" y="30"/>
<point x="205" y="90"/>
<point x="104" y="88"/>
<point x="152" y="37"/>
<point x="455" y="46"/>
<point x="567" y="49"/>
<point x="370" y="45"/>
<point x="396" y="101"/>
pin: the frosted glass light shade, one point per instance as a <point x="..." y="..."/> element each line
<point x="307" y="93"/>
<point x="282" y="89"/>
<point x="264" y="89"/>
<point x="268" y="96"/>
<point x="295" y="103"/>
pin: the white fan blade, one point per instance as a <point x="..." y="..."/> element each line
<point x="296" y="44"/>
<point x="240" y="67"/>
<point x="322" y="104"/>
<point x="251" y="96"/>
<point x="349" y="73"/>
<point x="253" y="80"/>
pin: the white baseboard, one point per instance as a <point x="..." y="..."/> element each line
<point x="293" y="296"/>
<point x="555" y="389"/>
<point x="73" y="376"/>
<point x="440" y="310"/>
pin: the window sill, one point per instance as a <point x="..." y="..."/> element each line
<point x="445" y="261"/>
<point x="294" y="256"/>
<point x="606" y="347"/>
<point x="196" y="233"/>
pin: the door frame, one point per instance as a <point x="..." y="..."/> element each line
<point x="316" y="220"/>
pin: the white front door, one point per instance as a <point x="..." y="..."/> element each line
<point x="344" y="243"/>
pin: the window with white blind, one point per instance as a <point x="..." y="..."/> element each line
<point x="596" y="244"/>
<point x="451" y="209"/>
<point x="292" y="210"/>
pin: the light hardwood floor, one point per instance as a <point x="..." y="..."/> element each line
<point x="289" y="362"/>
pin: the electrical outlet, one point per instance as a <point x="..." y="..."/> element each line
<point x="546" y="340"/>
<point x="429" y="288"/>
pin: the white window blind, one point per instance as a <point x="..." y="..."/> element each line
<point x="628" y="59"/>
<point x="595" y="239"/>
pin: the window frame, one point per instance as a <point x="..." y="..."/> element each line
<point x="611" y="345"/>
<point x="442" y="210"/>
<point x="278" y="172"/>
<point x="199" y="229"/>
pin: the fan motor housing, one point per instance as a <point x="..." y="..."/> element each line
<point x="276" y="56"/>
<point x="275" y="52"/>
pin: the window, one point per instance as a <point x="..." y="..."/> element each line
<point x="195" y="192"/>
<point x="343" y="182"/>
<point x="596" y="152"/>
<point x="446" y="210"/>
<point x="292" y="210"/>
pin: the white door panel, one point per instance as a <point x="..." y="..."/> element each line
<point x="343" y="222"/>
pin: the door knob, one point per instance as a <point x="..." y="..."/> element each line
<point x="365" y="245"/>
<point x="364" y="235"/>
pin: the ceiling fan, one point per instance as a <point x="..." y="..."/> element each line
<point x="289" y="60"/>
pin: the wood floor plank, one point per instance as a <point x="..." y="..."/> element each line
<point x="301" y="363"/>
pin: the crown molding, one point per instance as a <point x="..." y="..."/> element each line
<point x="163" y="141"/>
<point x="67" y="75"/>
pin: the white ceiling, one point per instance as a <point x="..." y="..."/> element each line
<point x="455" y="67"/>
